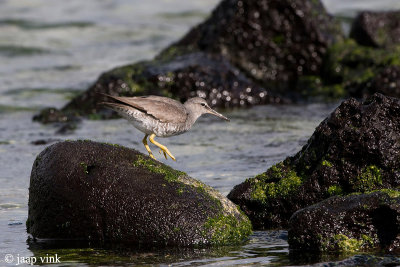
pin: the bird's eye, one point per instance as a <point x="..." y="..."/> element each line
<point x="203" y="104"/>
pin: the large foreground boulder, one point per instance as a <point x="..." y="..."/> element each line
<point x="90" y="191"/>
<point x="356" y="149"/>
<point x="348" y="223"/>
<point x="246" y="53"/>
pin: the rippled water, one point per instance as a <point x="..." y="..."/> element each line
<point x="51" y="50"/>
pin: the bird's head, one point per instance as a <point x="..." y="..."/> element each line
<point x="198" y="106"/>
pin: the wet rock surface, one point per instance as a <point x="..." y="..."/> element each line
<point x="355" y="149"/>
<point x="348" y="224"/>
<point x="377" y="29"/>
<point x="246" y="53"/>
<point x="82" y="190"/>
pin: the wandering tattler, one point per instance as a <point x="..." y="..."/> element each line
<point x="160" y="116"/>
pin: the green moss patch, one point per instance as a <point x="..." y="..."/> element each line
<point x="369" y="179"/>
<point x="170" y="175"/>
<point x="347" y="66"/>
<point x="326" y="163"/>
<point x="335" y="190"/>
<point x="392" y="193"/>
<point x="174" y="176"/>
<point x="279" y="181"/>
<point x="217" y="230"/>
<point x="343" y="243"/>
<point x="349" y="62"/>
<point x="84" y="167"/>
<point x="314" y="86"/>
<point x="227" y="229"/>
<point x="128" y="74"/>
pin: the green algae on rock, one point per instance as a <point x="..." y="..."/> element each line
<point x="356" y="70"/>
<point x="277" y="182"/>
<point x="369" y="179"/>
<point x="350" y="223"/>
<point x="354" y="150"/>
<point x="83" y="190"/>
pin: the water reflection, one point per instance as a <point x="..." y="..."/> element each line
<point x="266" y="247"/>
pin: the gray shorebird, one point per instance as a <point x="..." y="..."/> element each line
<point x="160" y="116"/>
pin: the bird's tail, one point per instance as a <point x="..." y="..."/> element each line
<point x="112" y="105"/>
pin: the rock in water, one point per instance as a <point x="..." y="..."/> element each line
<point x="348" y="223"/>
<point x="247" y="53"/>
<point x="356" y="149"/>
<point x="274" y="41"/>
<point x="377" y="29"/>
<point x="83" y="190"/>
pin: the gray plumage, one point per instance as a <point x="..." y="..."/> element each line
<point x="160" y="116"/>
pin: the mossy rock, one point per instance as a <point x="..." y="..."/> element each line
<point x="358" y="71"/>
<point x="350" y="69"/>
<point x="354" y="150"/>
<point x="181" y="77"/>
<point x="348" y="224"/>
<point x="82" y="190"/>
<point x="377" y="29"/>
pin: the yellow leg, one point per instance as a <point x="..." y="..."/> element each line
<point x="163" y="148"/>
<point x="147" y="146"/>
<point x="165" y="154"/>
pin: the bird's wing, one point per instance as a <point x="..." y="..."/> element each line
<point x="161" y="108"/>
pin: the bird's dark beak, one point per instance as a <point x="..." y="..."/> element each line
<point x="213" y="112"/>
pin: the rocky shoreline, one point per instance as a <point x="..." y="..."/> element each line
<point x="331" y="194"/>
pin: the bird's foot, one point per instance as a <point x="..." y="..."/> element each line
<point x="164" y="149"/>
<point x="151" y="155"/>
<point x="165" y="154"/>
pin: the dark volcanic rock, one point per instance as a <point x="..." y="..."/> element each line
<point x="348" y="223"/>
<point x="182" y="77"/>
<point x="84" y="190"/>
<point x="377" y="29"/>
<point x="356" y="149"/>
<point x="195" y="74"/>
<point x="386" y="81"/>
<point x="246" y="53"/>
<point x="274" y="41"/>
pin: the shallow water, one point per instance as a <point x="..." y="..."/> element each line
<point x="52" y="50"/>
